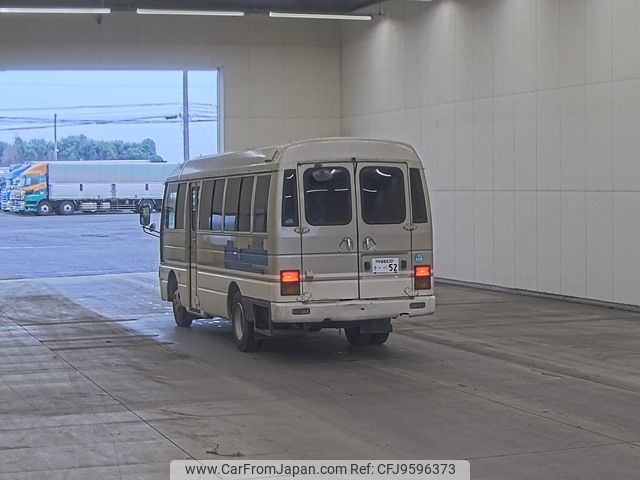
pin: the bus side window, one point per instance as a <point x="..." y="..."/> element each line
<point x="182" y="194"/>
<point x="205" y="205"/>
<point x="231" y="202"/>
<point x="169" y="210"/>
<point x="290" y="199"/>
<point x="244" y="209"/>
<point x="216" y="205"/>
<point x="260" y="203"/>
<point x="418" y="204"/>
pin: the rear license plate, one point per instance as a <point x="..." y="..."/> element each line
<point x="385" y="265"/>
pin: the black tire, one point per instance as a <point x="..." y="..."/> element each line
<point x="243" y="332"/>
<point x="379" y="338"/>
<point x="180" y="314"/>
<point x="45" y="208"/>
<point x="355" y="337"/>
<point x="66" y="207"/>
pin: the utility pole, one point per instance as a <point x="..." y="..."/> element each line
<point x="185" y="113"/>
<point x="55" y="137"/>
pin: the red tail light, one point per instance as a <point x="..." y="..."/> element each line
<point x="290" y="282"/>
<point x="422" y="277"/>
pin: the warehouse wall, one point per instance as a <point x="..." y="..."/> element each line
<point x="527" y="116"/>
<point x="281" y="77"/>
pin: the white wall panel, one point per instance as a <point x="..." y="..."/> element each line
<point x="504" y="238"/>
<point x="444" y="222"/>
<point x="626" y="238"/>
<point x="484" y="235"/>
<point x="572" y="42"/>
<point x="525" y="45"/>
<point x="483" y="143"/>
<point x="526" y="241"/>
<point x="549" y="241"/>
<point x="464" y="145"/>
<point x="599" y="137"/>
<point x="503" y="143"/>
<point x="548" y="147"/>
<point x="503" y="51"/>
<point x="548" y="43"/>
<point x="599" y="246"/>
<point x="573" y="248"/>
<point x="532" y="107"/>
<point x="626" y="37"/>
<point x="626" y="135"/>
<point x="465" y="237"/>
<point x="573" y="138"/>
<point x="598" y="41"/>
<point x="525" y="138"/>
<point x="446" y="147"/>
<point x="483" y="49"/>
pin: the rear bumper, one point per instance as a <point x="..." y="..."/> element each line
<point x="353" y="310"/>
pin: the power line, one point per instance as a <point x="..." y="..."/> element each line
<point x="78" y="107"/>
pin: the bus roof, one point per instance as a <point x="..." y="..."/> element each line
<point x="320" y="149"/>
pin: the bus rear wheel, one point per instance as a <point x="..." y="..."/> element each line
<point x="354" y="337"/>
<point x="180" y="314"/>
<point x="243" y="332"/>
<point x="379" y="338"/>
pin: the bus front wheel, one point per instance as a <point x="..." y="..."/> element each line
<point x="243" y="332"/>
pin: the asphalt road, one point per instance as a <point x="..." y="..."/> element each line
<point x="81" y="244"/>
<point x="96" y="381"/>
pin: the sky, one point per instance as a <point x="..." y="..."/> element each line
<point x="30" y="98"/>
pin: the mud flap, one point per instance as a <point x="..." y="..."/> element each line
<point x="381" y="325"/>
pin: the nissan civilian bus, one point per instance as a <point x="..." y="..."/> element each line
<point x="326" y="233"/>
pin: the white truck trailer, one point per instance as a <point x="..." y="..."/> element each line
<point x="90" y="186"/>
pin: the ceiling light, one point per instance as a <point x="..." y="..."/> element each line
<point x="95" y="11"/>
<point x="212" y="13"/>
<point x="321" y="16"/>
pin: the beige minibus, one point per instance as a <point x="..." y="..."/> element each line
<point x="326" y="233"/>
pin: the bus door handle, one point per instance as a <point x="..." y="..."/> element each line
<point x="369" y="243"/>
<point x="346" y="244"/>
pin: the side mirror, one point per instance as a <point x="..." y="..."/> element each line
<point x="152" y="227"/>
<point x="145" y="215"/>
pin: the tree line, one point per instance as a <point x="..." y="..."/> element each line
<point x="76" y="147"/>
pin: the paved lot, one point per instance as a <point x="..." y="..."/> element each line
<point x="81" y="244"/>
<point x="97" y="382"/>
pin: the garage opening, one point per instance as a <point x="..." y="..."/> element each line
<point x="160" y="115"/>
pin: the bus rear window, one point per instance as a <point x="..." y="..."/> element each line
<point x="327" y="196"/>
<point x="290" y="199"/>
<point x="418" y="203"/>
<point x="382" y="195"/>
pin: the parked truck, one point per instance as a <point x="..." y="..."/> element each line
<point x="90" y="186"/>
<point x="7" y="183"/>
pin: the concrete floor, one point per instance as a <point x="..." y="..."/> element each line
<point x="97" y="382"/>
